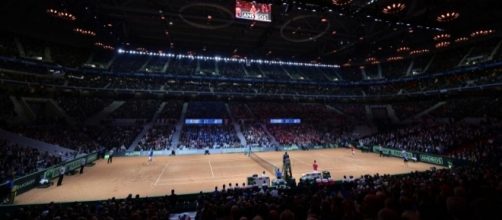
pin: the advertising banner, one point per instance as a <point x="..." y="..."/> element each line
<point x="29" y="181"/>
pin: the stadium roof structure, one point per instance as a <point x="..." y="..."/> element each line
<point x="325" y="31"/>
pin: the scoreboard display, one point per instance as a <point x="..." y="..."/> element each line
<point x="203" y="121"/>
<point x="285" y="121"/>
<point x="253" y="11"/>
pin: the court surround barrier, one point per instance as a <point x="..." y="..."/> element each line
<point x="422" y="157"/>
<point x="30" y="181"/>
<point x="393" y="152"/>
<point x="220" y="150"/>
<point x="212" y="151"/>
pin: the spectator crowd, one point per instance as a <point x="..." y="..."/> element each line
<point x="432" y="137"/>
<point x="17" y="161"/>
<point x="209" y="136"/>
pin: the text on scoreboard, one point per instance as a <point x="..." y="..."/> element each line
<point x="253" y="11"/>
<point x="285" y="121"/>
<point x="203" y="121"/>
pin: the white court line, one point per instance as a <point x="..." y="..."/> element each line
<point x="211" y="166"/>
<point x="162" y="172"/>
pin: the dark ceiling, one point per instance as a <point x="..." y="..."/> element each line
<point x="312" y="30"/>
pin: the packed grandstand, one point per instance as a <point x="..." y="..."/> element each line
<point x="62" y="101"/>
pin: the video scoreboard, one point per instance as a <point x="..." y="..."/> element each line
<point x="251" y="10"/>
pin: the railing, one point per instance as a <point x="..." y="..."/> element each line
<point x="445" y="91"/>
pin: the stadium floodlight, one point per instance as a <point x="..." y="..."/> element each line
<point x="226" y="59"/>
<point x="371" y="2"/>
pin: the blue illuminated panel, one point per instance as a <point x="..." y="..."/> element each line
<point x="285" y="121"/>
<point x="203" y="121"/>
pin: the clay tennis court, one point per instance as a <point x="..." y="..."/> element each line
<point x="193" y="173"/>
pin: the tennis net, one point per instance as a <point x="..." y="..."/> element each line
<point x="265" y="164"/>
